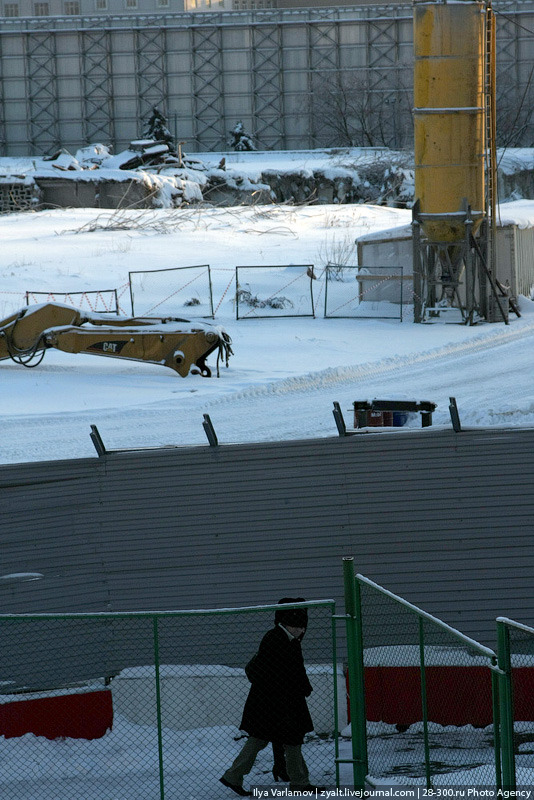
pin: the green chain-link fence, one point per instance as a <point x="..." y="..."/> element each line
<point x="430" y="716"/>
<point x="516" y="659"/>
<point x="147" y="706"/>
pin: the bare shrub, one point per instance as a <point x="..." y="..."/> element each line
<point x="335" y="253"/>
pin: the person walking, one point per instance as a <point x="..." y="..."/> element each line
<point x="276" y="709"/>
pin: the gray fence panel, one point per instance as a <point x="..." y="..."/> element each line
<point x="441" y="518"/>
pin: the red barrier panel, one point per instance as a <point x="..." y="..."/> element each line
<point x="84" y="715"/>
<point x="455" y="695"/>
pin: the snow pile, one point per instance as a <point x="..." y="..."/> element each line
<point x="336" y="175"/>
<point x="359" y="175"/>
<point x="166" y="185"/>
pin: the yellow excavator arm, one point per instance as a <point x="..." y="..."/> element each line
<point x="177" y="343"/>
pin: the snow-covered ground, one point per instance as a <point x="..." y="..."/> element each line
<point x="123" y="765"/>
<point x="281" y="382"/>
<point x="285" y="372"/>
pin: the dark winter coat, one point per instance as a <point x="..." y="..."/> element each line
<point x="276" y="708"/>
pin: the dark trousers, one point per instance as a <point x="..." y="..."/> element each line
<point x="295" y="764"/>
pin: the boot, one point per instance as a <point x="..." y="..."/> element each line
<point x="279" y="766"/>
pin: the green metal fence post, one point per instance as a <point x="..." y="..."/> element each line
<point x="356" y="674"/>
<point x="336" y="712"/>
<point x="495" y="678"/>
<point x="506" y="706"/>
<point x="424" y="703"/>
<point x="158" y="709"/>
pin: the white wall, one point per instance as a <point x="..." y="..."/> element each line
<point x="212" y="696"/>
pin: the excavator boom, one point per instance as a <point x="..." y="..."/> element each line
<point x="177" y="343"/>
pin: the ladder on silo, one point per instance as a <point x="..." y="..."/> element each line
<point x="491" y="155"/>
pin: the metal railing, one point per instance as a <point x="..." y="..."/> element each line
<point x="143" y="706"/>
<point x="516" y="660"/>
<point x="424" y="697"/>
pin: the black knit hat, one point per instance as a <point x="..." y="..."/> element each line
<point x="295" y="617"/>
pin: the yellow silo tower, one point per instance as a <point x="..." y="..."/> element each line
<point x="454" y="169"/>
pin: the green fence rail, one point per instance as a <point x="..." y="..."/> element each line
<point x="424" y="697"/>
<point x="147" y="706"/>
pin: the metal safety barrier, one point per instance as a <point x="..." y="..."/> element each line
<point x="146" y="706"/>
<point x="516" y="660"/>
<point x="424" y="697"/>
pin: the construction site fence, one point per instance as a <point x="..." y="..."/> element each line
<point x="172" y="291"/>
<point x="431" y="707"/>
<point x="293" y="296"/>
<point x="362" y="292"/>
<point x="124" y="706"/>
<point x="515" y="648"/>
<point x="334" y="291"/>
<point x="99" y="301"/>
<point x="147" y="706"/>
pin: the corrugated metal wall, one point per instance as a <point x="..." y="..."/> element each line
<point x="443" y="519"/>
<point x="524" y="260"/>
